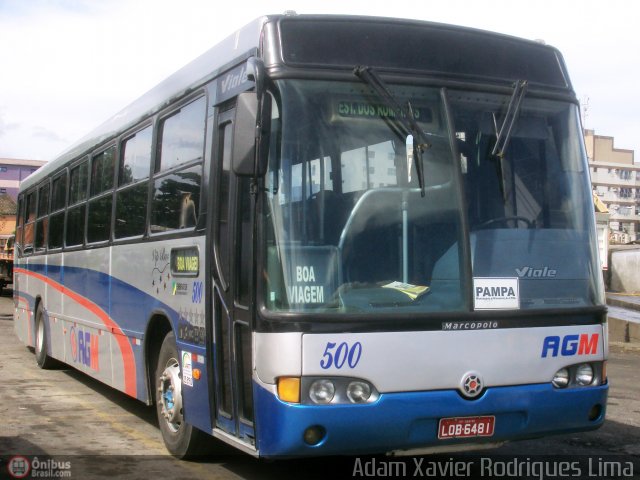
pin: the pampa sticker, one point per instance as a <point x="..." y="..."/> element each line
<point x="495" y="293"/>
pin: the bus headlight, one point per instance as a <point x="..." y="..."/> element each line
<point x="337" y="391"/>
<point x="358" y="391"/>
<point x="322" y="391"/>
<point x="561" y="378"/>
<point x="584" y="374"/>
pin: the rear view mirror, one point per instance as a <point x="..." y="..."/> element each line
<point x="251" y="125"/>
<point x="243" y="153"/>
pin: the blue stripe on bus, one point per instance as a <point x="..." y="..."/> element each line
<point x="130" y="308"/>
<point x="409" y="420"/>
<point x="126" y="304"/>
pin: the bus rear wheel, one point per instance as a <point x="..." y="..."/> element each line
<point x="181" y="439"/>
<point x="43" y="360"/>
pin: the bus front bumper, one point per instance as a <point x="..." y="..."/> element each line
<point x="409" y="420"/>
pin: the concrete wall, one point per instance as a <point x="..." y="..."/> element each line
<point x="624" y="269"/>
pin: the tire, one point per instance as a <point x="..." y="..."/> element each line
<point x="181" y="439"/>
<point x="43" y="359"/>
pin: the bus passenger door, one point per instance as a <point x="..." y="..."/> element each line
<point x="231" y="297"/>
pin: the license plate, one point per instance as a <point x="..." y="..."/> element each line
<point x="464" y="427"/>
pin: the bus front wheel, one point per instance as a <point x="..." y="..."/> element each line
<point x="181" y="439"/>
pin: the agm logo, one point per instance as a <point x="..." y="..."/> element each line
<point x="532" y="272"/>
<point x="570" y="345"/>
<point x="85" y="348"/>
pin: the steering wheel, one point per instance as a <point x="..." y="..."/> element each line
<point x="511" y="218"/>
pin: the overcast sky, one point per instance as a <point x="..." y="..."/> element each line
<point x="68" y="65"/>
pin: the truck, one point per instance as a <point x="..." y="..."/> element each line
<point x="6" y="260"/>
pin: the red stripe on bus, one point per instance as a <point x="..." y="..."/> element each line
<point x="123" y="341"/>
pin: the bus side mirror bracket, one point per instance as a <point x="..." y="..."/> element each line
<point x="245" y="130"/>
<point x="251" y="126"/>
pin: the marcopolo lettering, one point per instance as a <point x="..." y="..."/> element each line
<point x="479" y="325"/>
<point x="570" y="345"/>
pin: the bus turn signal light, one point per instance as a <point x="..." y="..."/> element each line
<point x="289" y="389"/>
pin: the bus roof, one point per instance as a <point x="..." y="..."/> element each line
<point x="444" y="49"/>
<point x="418" y="47"/>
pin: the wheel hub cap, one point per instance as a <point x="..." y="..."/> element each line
<point x="170" y="395"/>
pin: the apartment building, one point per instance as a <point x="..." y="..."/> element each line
<point x="616" y="180"/>
<point x="13" y="171"/>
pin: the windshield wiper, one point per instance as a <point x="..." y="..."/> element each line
<point x="404" y="118"/>
<point x="504" y="134"/>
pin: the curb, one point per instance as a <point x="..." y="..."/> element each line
<point x="619" y="300"/>
<point x="624" y="347"/>
<point x="623" y="331"/>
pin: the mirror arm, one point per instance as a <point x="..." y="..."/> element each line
<point x="253" y="112"/>
<point x="256" y="74"/>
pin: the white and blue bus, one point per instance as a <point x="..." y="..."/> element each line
<point x="330" y="235"/>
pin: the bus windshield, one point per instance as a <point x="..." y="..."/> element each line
<point x="347" y="229"/>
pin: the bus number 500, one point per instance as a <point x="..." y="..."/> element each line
<point x="343" y="354"/>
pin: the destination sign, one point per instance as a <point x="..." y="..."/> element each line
<point x="356" y="109"/>
<point x="185" y="261"/>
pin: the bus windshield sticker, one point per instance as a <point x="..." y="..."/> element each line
<point x="305" y="289"/>
<point x="185" y="262"/>
<point x="496" y="293"/>
<point x="312" y="275"/>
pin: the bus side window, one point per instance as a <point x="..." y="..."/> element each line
<point x="176" y="197"/>
<point x="58" y="203"/>
<point x="99" y="219"/>
<point x="19" y="225"/>
<point x="244" y="238"/>
<point x="131" y="199"/>
<point x="222" y="235"/>
<point x="29" y="227"/>
<point x="42" y="225"/>
<point x="75" y="213"/>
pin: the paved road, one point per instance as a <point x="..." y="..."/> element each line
<point x="65" y="416"/>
